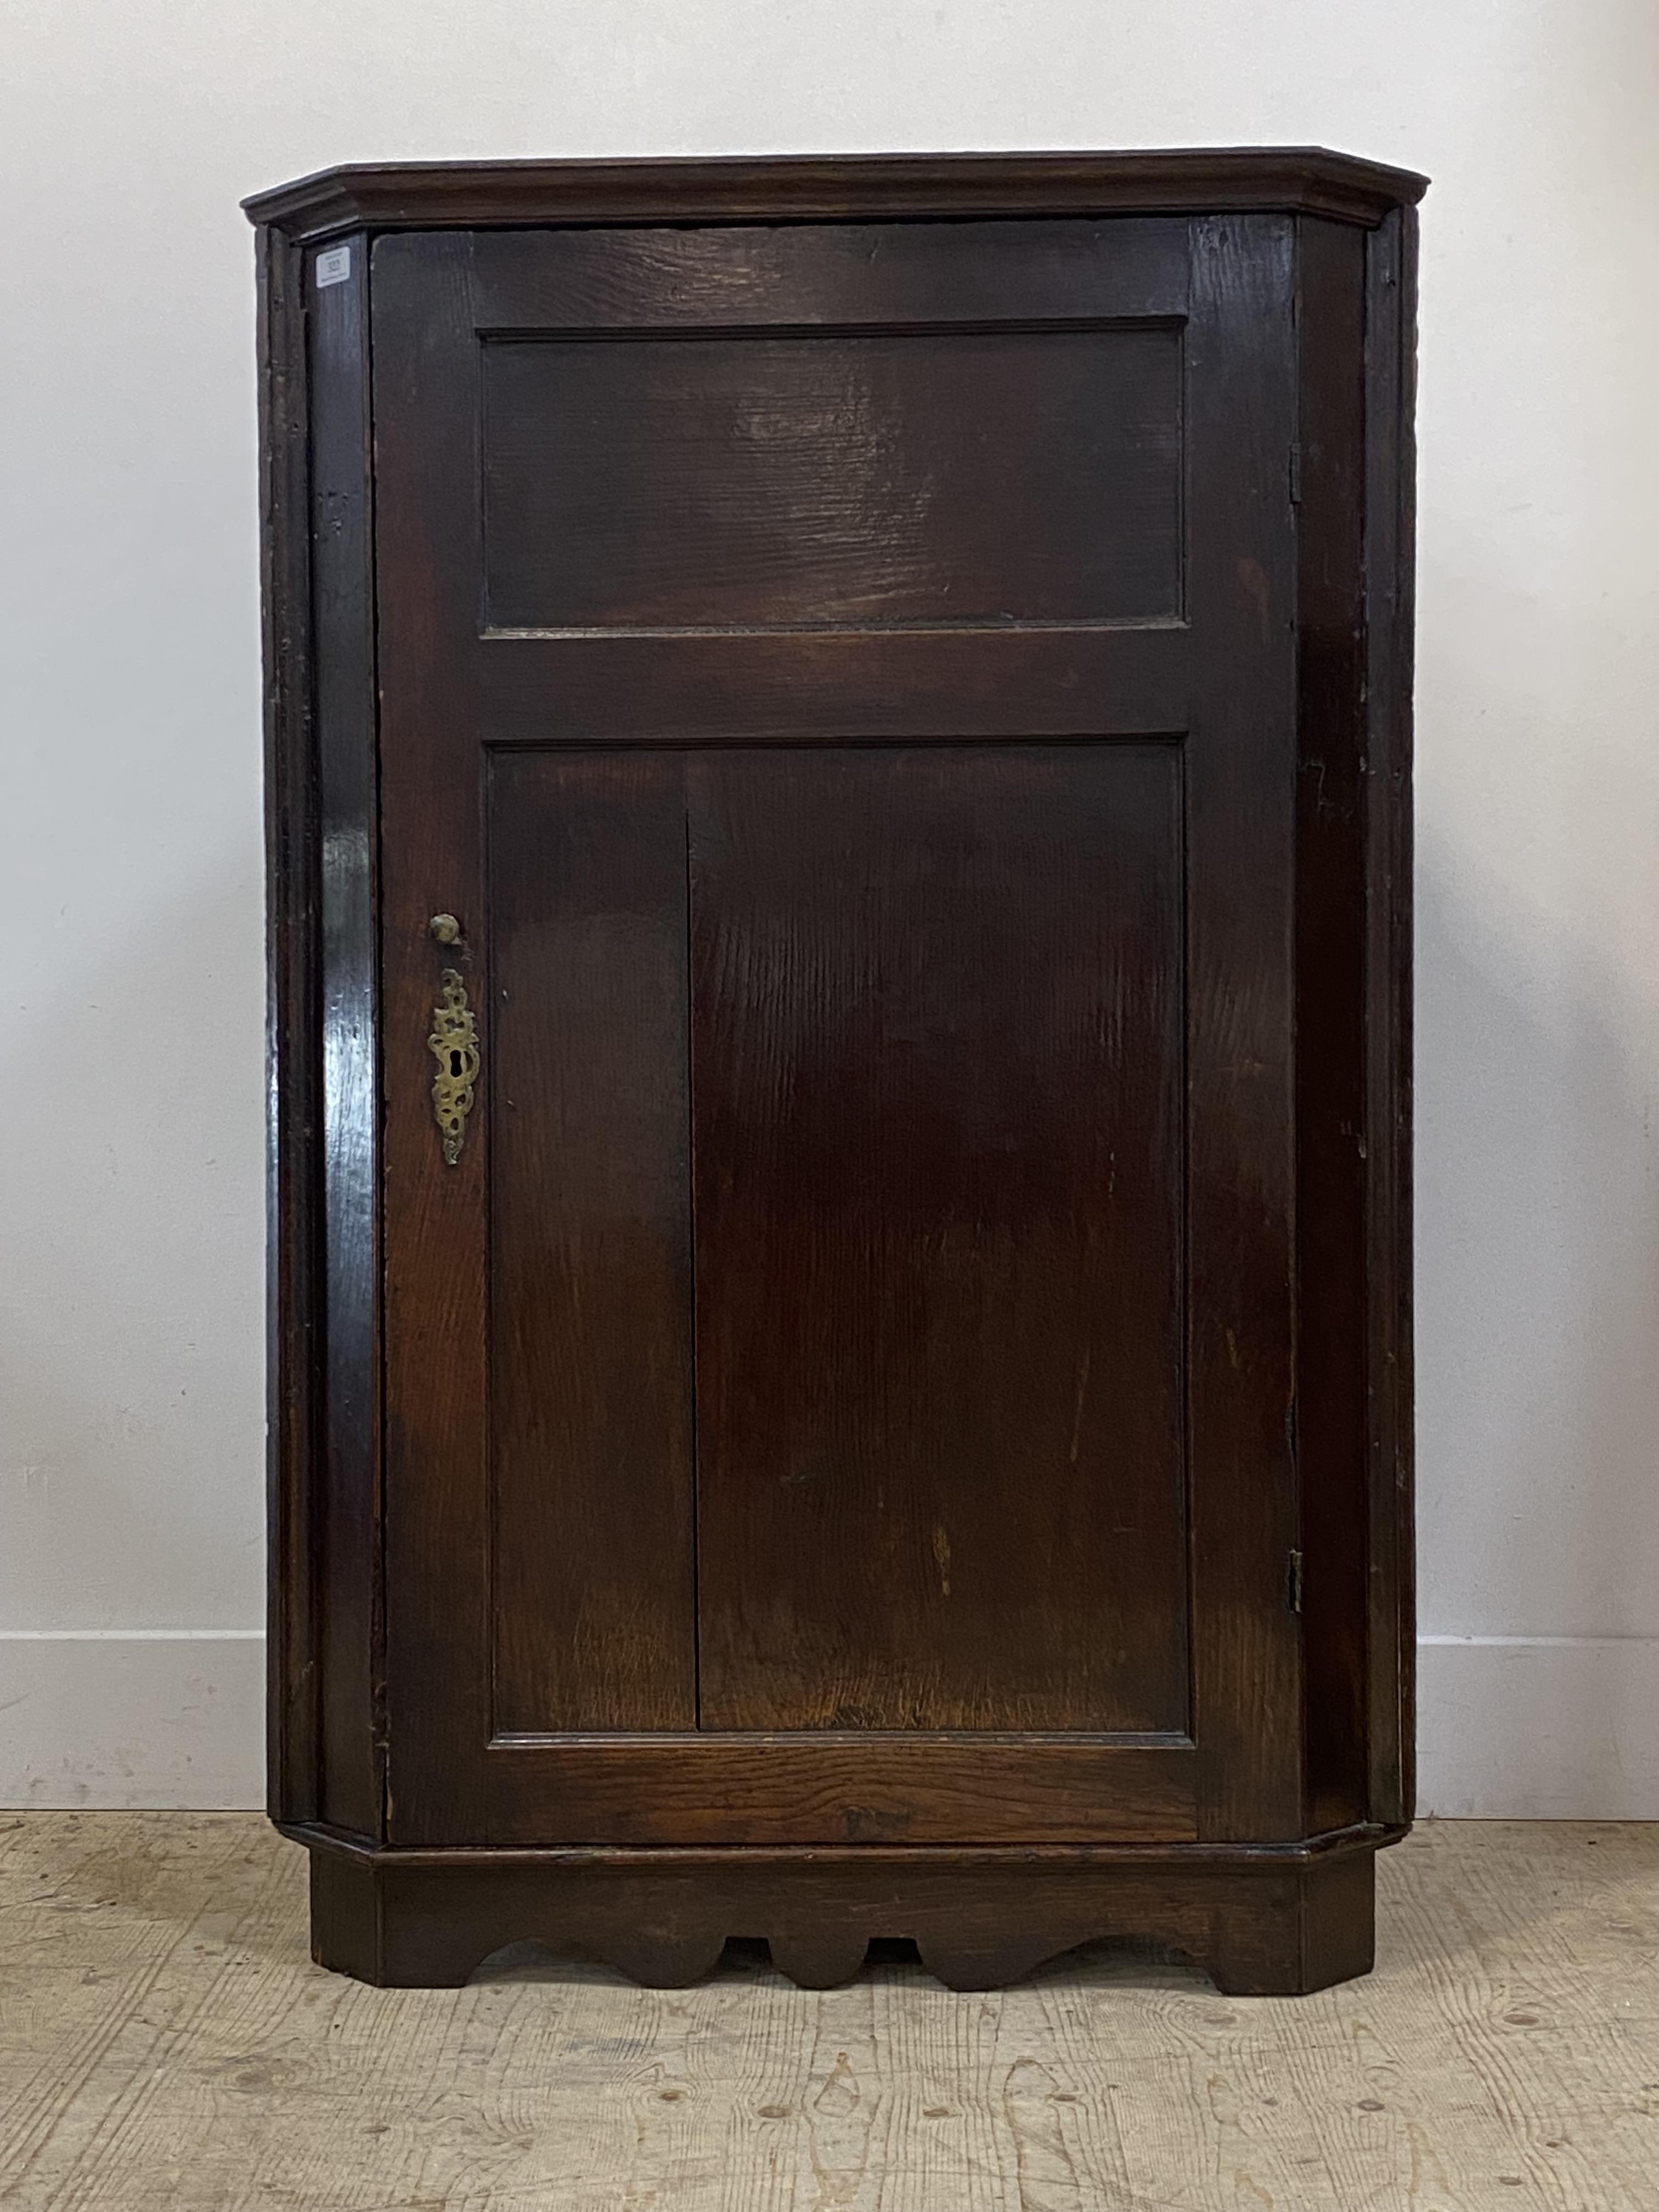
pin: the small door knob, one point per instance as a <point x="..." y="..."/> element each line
<point x="445" y="928"/>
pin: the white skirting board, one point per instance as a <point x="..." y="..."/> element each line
<point x="142" y="1718"/>
<point x="1509" y="1728"/>
<point x="1538" y="1727"/>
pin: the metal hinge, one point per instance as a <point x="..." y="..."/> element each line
<point x="1293" y="1582"/>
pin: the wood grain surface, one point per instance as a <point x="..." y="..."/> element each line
<point x="164" y="2042"/>
<point x="825" y="480"/>
<point x="937" y="1051"/>
<point x="815" y="1786"/>
<point x="345" y="1538"/>
<point x="293" y="1292"/>
<point x="594" y="1613"/>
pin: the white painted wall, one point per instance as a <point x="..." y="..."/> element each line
<point x="131" y="1221"/>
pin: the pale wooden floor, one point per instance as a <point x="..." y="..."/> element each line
<point x="164" y="2041"/>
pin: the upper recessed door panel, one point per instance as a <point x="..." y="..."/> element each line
<point x="871" y="479"/>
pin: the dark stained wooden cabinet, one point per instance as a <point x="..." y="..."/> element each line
<point x="839" y="802"/>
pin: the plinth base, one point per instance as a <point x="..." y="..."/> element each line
<point x="1260" y="1920"/>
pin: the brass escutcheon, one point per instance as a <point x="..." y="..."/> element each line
<point x="455" y="1045"/>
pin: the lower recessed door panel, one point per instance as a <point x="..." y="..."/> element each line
<point x="936" y="1083"/>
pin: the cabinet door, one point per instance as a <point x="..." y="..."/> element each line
<point x="838" y="1346"/>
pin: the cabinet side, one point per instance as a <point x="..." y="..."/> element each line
<point x="1390" y="559"/>
<point x="1329" y="483"/>
<point x="346" y="1546"/>
<point x="1353" y="471"/>
<point x="293" y="1062"/>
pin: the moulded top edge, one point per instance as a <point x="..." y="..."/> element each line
<point x="829" y="188"/>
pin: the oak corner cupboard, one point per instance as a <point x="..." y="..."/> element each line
<point x="839" y="765"/>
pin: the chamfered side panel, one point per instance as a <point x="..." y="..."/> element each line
<point x="837" y="478"/>
<point x="1334" y="1290"/>
<point x="937" y="1020"/>
<point x="346" y="1544"/>
<point x="1390" y="510"/>
<point x="593" y="1610"/>
<point x="293" y="1061"/>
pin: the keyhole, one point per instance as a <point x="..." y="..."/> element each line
<point x="457" y="1065"/>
